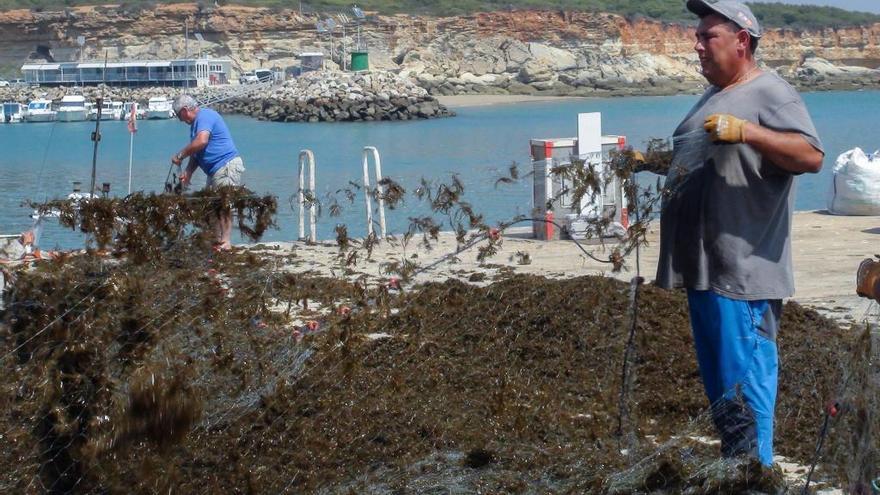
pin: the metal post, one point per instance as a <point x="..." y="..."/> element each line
<point x="186" y="51"/>
<point x="372" y="151"/>
<point x="307" y="158"/>
<point x="96" y="137"/>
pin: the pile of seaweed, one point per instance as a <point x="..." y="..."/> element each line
<point x="167" y="367"/>
<point x="202" y="372"/>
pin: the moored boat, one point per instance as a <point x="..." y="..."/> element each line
<point x="71" y="109"/>
<point x="12" y="112"/>
<point x="110" y="110"/>
<point x="40" y="110"/>
<point x="159" y="107"/>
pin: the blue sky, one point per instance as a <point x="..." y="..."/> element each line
<point x="860" y="5"/>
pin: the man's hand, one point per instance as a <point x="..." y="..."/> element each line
<point x="177" y="159"/>
<point x="725" y="128"/>
<point x="638" y="156"/>
<point x="184" y="177"/>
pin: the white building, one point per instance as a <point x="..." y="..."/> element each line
<point x="179" y="72"/>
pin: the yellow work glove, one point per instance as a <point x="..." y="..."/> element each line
<point x="638" y="156"/>
<point x="725" y="128"/>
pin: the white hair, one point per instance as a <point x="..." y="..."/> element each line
<point x="184" y="101"/>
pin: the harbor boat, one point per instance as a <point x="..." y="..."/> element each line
<point x="159" y="107"/>
<point x="40" y="110"/>
<point x="117" y="110"/>
<point x="72" y="109"/>
<point x="12" y="112"/>
<point x="110" y="110"/>
<point x="126" y="111"/>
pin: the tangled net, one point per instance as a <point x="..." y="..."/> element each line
<point x="170" y="369"/>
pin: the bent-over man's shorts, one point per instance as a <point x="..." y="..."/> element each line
<point x="227" y="175"/>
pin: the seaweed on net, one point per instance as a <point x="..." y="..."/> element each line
<point x="511" y="177"/>
<point x="508" y="387"/>
<point x="853" y="446"/>
<point x="162" y="406"/>
<point x="657" y="159"/>
<point x="255" y="214"/>
<point x="143" y="225"/>
<point x="522" y="372"/>
<point x="391" y="192"/>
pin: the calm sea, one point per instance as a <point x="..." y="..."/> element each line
<point x="40" y="161"/>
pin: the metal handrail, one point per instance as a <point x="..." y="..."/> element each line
<point x="306" y="157"/>
<point x="230" y="92"/>
<point x="372" y="151"/>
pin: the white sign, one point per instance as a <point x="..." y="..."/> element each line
<point x="589" y="148"/>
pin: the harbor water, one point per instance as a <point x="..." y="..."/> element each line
<point x="40" y="161"/>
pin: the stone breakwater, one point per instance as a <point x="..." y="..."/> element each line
<point x="340" y="97"/>
<point x="314" y="97"/>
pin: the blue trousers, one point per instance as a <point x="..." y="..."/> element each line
<point x="736" y="351"/>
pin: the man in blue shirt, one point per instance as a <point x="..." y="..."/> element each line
<point x="210" y="148"/>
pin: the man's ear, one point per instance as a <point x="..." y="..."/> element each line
<point x="744" y="40"/>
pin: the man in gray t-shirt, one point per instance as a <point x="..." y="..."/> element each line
<point x="726" y="221"/>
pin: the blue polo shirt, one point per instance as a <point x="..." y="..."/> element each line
<point x="220" y="147"/>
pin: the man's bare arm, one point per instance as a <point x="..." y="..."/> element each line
<point x="787" y="150"/>
<point x="199" y="143"/>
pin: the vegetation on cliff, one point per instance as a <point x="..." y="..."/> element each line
<point x="770" y="14"/>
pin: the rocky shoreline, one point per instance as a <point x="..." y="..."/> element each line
<point x="548" y="78"/>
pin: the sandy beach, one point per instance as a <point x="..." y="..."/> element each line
<point x="827" y="250"/>
<point x="461" y="101"/>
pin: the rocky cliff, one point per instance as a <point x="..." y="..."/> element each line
<point x="515" y="52"/>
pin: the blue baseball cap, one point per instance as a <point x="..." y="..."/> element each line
<point x="731" y="10"/>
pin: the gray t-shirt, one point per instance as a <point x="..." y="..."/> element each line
<point x="726" y="218"/>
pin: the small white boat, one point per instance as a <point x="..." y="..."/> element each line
<point x="12" y="112"/>
<point x="159" y="107"/>
<point x="71" y="109"/>
<point x="110" y="110"/>
<point x="40" y="110"/>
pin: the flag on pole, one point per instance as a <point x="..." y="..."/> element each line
<point x="132" y="119"/>
<point x="132" y="128"/>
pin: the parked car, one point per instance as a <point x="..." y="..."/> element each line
<point x="264" y="75"/>
<point x="18" y="82"/>
<point x="3" y="83"/>
<point x="248" y="78"/>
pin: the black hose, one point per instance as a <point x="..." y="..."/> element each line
<point x="822" y="434"/>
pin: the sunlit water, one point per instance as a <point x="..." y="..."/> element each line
<point x="40" y="161"/>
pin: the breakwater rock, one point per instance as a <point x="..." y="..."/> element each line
<point x="340" y="97"/>
<point x="328" y="96"/>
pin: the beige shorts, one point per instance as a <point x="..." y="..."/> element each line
<point x="228" y="175"/>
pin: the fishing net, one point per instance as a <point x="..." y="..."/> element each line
<point x="184" y="370"/>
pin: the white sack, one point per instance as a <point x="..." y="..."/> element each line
<point x="855" y="184"/>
